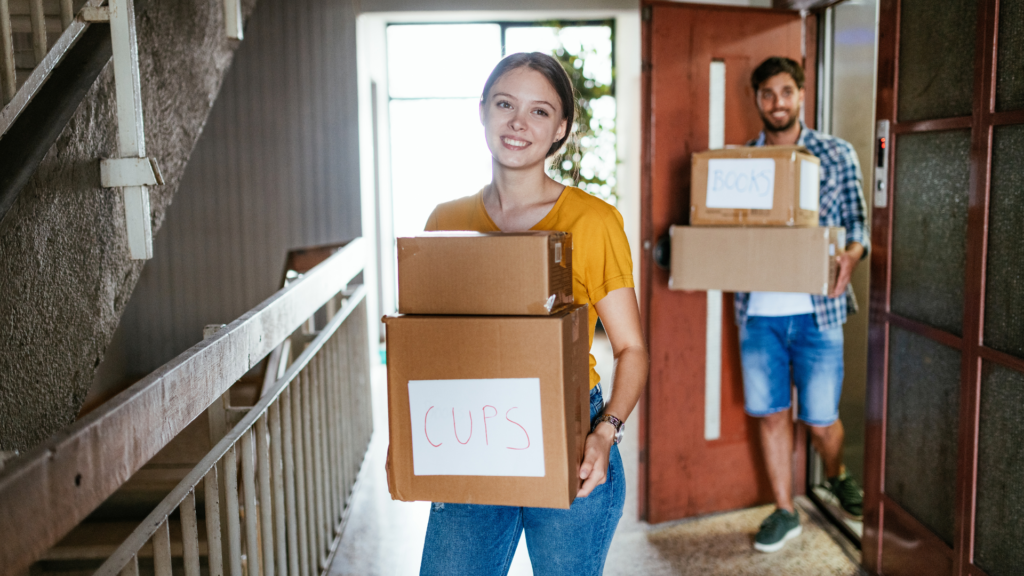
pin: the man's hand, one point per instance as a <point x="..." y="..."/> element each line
<point x="847" y="262"/>
<point x="594" y="470"/>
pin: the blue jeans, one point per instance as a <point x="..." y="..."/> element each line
<point x="770" y="346"/>
<point x="476" y="539"/>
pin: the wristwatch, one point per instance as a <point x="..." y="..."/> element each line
<point x="615" y="422"/>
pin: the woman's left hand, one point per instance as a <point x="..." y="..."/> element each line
<point x="594" y="470"/>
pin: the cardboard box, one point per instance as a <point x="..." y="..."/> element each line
<point x="488" y="409"/>
<point x="519" y="273"/>
<point x="755" y="259"/>
<point x="748" y="186"/>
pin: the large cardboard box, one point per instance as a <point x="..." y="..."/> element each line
<point x="755" y="259"/>
<point x="488" y="409"/>
<point x="755" y="186"/>
<point x="514" y="273"/>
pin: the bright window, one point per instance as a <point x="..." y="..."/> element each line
<point x="435" y="75"/>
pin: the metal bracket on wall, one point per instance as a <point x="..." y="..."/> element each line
<point x="233" y="19"/>
<point x="133" y="171"/>
<point x="121" y="172"/>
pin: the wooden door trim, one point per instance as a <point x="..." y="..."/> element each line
<point x="647" y="241"/>
<point x="918" y="537"/>
<point x="879" y="317"/>
<point x="1003" y="359"/>
<point x="930" y="332"/>
<point x="974" y="282"/>
<point x="932" y="125"/>
<point x="1008" y="117"/>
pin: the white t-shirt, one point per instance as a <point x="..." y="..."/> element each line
<point x="779" y="304"/>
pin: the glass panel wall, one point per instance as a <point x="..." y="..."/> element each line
<point x="929" y="245"/>
<point x="1004" y="294"/>
<point x="936" y="55"/>
<point x="922" y="419"/>
<point x="999" y="523"/>
<point x="1010" y="75"/>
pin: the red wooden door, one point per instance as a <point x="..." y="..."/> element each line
<point x="683" y="472"/>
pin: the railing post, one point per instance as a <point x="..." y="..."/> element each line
<point x="67" y="13"/>
<point x="38" y="18"/>
<point x="131" y="136"/>
<point x="277" y="470"/>
<point x="8" y="80"/>
<point x="214" y="545"/>
<point x="291" y="481"/>
<point x="190" y="535"/>
<point x="263" y="464"/>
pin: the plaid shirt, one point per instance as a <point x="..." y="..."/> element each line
<point x="842" y="204"/>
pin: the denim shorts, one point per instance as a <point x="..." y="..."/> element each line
<point x="777" y="350"/>
<point x="476" y="539"/>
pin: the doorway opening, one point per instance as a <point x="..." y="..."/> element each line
<point x="847" y="36"/>
<point x="435" y="72"/>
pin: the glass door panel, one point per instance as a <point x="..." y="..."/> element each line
<point x="936" y="59"/>
<point x="999" y="522"/>
<point x="923" y="413"/>
<point x="1004" y="295"/>
<point x="1010" y="76"/>
<point x="929" y="244"/>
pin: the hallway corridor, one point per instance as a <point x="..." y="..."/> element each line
<point x="385" y="538"/>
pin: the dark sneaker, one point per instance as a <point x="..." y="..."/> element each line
<point x="848" y="493"/>
<point x="776" y="530"/>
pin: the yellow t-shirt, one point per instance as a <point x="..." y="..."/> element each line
<point x="601" y="261"/>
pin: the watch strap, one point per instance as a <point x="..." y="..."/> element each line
<point x="615" y="422"/>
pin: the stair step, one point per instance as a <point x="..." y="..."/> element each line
<point x="50" y="7"/>
<point x="22" y="24"/>
<point x="98" y="540"/>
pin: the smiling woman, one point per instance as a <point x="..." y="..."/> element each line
<point x="527" y="110"/>
<point x="435" y="72"/>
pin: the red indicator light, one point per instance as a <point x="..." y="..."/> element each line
<point x="883" y="142"/>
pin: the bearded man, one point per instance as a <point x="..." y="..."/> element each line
<point x="798" y="338"/>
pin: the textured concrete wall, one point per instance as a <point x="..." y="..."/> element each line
<point x="65" y="272"/>
<point x="277" y="167"/>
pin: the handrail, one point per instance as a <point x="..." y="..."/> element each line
<point x="66" y="478"/>
<point x="155" y="521"/>
<point x="43" y="69"/>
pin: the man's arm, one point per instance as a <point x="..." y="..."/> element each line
<point x="853" y="211"/>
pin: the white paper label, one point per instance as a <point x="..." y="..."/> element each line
<point x="809" y="185"/>
<point x="485" y="427"/>
<point x="741" y="183"/>
<point x="558" y="252"/>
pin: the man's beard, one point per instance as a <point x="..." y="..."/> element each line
<point x="769" y="127"/>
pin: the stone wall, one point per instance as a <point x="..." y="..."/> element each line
<point x="65" y="272"/>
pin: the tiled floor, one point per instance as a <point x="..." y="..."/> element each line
<point x="384" y="537"/>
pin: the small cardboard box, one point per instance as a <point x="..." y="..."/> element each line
<point x="516" y="274"/>
<point x="755" y="186"/>
<point x="755" y="259"/>
<point x="488" y="409"/>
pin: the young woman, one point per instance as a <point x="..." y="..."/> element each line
<point x="527" y="110"/>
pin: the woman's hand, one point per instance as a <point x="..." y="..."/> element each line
<point x="594" y="470"/>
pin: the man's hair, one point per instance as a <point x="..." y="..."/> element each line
<point x="777" y="65"/>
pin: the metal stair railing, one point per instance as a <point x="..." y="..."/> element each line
<point x="132" y="171"/>
<point x="299" y="448"/>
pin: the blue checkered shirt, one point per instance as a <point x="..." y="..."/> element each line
<point x="842" y="204"/>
